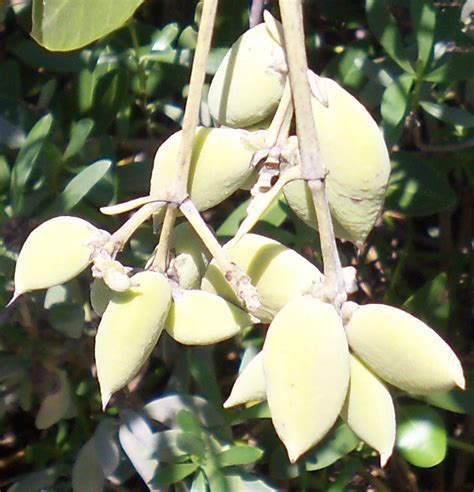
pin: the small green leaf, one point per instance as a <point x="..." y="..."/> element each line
<point x="384" y="26"/>
<point x="171" y="445"/>
<point x="188" y="422"/>
<point x="431" y="302"/>
<point x="337" y="444"/>
<point x="421" y="436"/>
<point x="64" y="25"/>
<point x="238" y="455"/>
<point x="460" y="66"/>
<point x="79" y="135"/>
<point x="455" y="116"/>
<point x="166" y="475"/>
<point x="79" y="187"/>
<point x="454" y="400"/>
<point x="423" y="17"/>
<point x="394" y="108"/>
<point x="231" y="223"/>
<point x="27" y="158"/>
<point x="417" y="186"/>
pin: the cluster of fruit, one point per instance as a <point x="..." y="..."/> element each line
<point x="319" y="361"/>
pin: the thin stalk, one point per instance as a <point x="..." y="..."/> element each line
<point x="312" y="167"/>
<point x="162" y="251"/>
<point x="124" y="233"/>
<point x="239" y="281"/>
<point x="179" y="190"/>
<point x="179" y="187"/>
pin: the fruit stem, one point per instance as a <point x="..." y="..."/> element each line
<point x="312" y="167"/>
<point x="120" y="237"/>
<point x="179" y="189"/>
<point x="161" y="259"/>
<point x="238" y="280"/>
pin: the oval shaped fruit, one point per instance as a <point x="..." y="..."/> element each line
<point x="100" y="296"/>
<point x="55" y="252"/>
<point x="201" y="318"/>
<point x="368" y="410"/>
<point x="191" y="258"/>
<point x="402" y="350"/>
<point x="249" y="385"/>
<point x="279" y="273"/>
<point x="354" y="152"/>
<point x="306" y="367"/>
<point x="248" y="84"/>
<point x="129" y="330"/>
<point x="220" y="163"/>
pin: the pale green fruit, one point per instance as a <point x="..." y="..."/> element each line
<point x="279" y="273"/>
<point x="354" y="152"/>
<point x="368" y="410"/>
<point x="402" y="350"/>
<point x="129" y="330"/>
<point x="55" y="252"/>
<point x="306" y="367"/>
<point x="100" y="296"/>
<point x="201" y="318"/>
<point x="248" y="84"/>
<point x="221" y="162"/>
<point x="249" y="385"/>
<point x="191" y="258"/>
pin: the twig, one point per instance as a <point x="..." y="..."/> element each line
<point x="179" y="187"/>
<point x="239" y="281"/>
<point x="162" y="251"/>
<point x="414" y="123"/>
<point x="312" y="168"/>
<point x="179" y="190"/>
<point x="256" y="11"/>
<point x="123" y="234"/>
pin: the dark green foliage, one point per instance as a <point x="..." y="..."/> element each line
<point x="78" y="131"/>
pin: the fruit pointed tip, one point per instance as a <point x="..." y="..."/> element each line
<point x="384" y="457"/>
<point x="15" y="296"/>
<point x="228" y="403"/>
<point x="460" y="381"/>
<point x="293" y="454"/>
<point x="105" y="397"/>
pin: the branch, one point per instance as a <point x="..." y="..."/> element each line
<point x="179" y="190"/>
<point x="256" y="11"/>
<point x="312" y="168"/>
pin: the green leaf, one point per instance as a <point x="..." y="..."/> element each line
<point x="79" y="135"/>
<point x="423" y="17"/>
<point x="27" y="158"/>
<point x="64" y="25"/>
<point x="188" y="422"/>
<point x="171" y="445"/>
<point x="394" y="107"/>
<point x="231" y="223"/>
<point x="460" y="66"/>
<point x="239" y="455"/>
<point x="33" y="55"/>
<point x="417" y="187"/>
<point x="421" y="436"/>
<point x="166" y="475"/>
<point x="337" y="444"/>
<point x="240" y="415"/>
<point x="79" y="187"/>
<point x="384" y="26"/>
<point x="455" y="400"/>
<point x="455" y="116"/>
<point x="431" y="302"/>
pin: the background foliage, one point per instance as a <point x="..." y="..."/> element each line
<point x="78" y="130"/>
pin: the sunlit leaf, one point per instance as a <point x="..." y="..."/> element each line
<point x="421" y="435"/>
<point x="63" y="25"/>
<point x="384" y="26"/>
